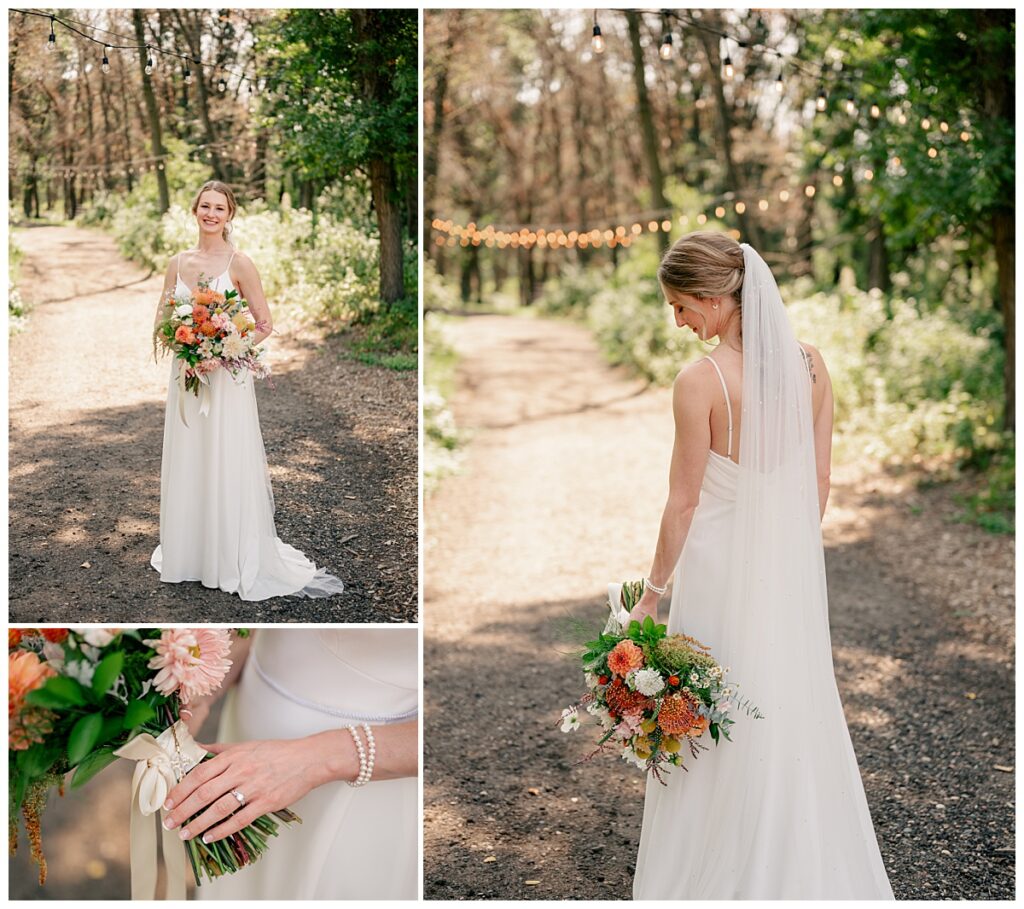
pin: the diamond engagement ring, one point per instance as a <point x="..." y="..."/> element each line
<point x="238" y="795"/>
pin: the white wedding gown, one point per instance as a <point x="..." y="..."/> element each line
<point x="216" y="501"/>
<point x="353" y="843"/>
<point x="779" y="812"/>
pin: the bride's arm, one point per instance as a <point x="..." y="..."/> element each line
<point x="275" y="774"/>
<point x="170" y="280"/>
<point x="197" y="712"/>
<point x="247" y="280"/>
<point x="691" y="408"/>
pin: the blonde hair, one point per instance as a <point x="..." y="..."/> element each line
<point x="218" y="187"/>
<point x="704" y="263"/>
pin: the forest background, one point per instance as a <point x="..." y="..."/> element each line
<point x="310" y="115"/>
<point x="868" y="154"/>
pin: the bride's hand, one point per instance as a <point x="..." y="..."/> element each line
<point x="270" y="775"/>
<point x="647" y="605"/>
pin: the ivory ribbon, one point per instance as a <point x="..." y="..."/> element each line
<point x="159" y="764"/>
<point x="204" y="393"/>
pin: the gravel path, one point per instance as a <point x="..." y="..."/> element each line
<point x="561" y="491"/>
<point x="86" y="428"/>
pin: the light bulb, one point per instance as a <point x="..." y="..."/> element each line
<point x="222" y="86"/>
<point x="51" y="42"/>
<point x="666" y="47"/>
<point x="822" y="101"/>
<point x="729" y="70"/>
<point x="598" y="40"/>
<point x="778" y="84"/>
<point x="851" y="108"/>
<point x="188" y="76"/>
<point x="876" y="111"/>
<point x="105" y="65"/>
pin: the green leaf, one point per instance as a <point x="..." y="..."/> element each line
<point x="60" y="691"/>
<point x="107" y="672"/>
<point x="91" y="765"/>
<point x="138" y="712"/>
<point x="84" y="736"/>
<point x="35" y="761"/>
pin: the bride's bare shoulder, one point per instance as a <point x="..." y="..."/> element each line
<point x="692" y="379"/>
<point x="815" y="362"/>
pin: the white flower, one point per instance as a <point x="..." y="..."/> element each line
<point x="82" y="670"/>
<point x="234" y="347"/>
<point x="97" y="637"/>
<point x="649" y="682"/>
<point x="601" y="714"/>
<point x="629" y="756"/>
<point x="54" y="655"/>
<point x="590" y="679"/>
<point x="183" y="311"/>
<point x="693" y="678"/>
<point x="570" y="719"/>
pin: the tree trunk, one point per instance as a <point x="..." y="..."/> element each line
<point x="368" y="25"/>
<point x="389" y="225"/>
<point x="748" y="226"/>
<point x="153" y="113"/>
<point x="654" y="173"/>
<point x="432" y="148"/>
<point x="1004" y="230"/>
<point x="192" y="30"/>
<point x="878" y="257"/>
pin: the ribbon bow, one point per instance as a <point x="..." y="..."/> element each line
<point x="159" y="764"/>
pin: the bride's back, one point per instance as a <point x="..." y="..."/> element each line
<point x="730" y="362"/>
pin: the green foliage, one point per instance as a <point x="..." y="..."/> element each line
<point x="923" y="383"/>
<point x="441" y="438"/>
<point x="321" y="269"/>
<point x="323" y="62"/>
<point x="994" y="507"/>
<point x="391" y="339"/>
<point x="17" y="309"/>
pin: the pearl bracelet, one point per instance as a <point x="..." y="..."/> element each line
<point x="365" y="759"/>
<point x="660" y="591"/>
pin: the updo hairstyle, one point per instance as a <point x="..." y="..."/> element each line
<point x="704" y="263"/>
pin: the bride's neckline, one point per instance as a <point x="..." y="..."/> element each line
<point x="192" y="290"/>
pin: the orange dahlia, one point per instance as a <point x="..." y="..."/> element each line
<point x="621" y="700"/>
<point x="54" y="635"/>
<point x="678" y="716"/>
<point x="200" y="313"/>
<point x="26" y="724"/>
<point x="14" y="636"/>
<point x="625" y="657"/>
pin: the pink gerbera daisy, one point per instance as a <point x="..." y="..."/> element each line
<point x="192" y="661"/>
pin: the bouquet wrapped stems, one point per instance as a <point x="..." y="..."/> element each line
<point x="242" y="848"/>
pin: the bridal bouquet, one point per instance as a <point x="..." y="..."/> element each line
<point x="654" y="694"/>
<point x="208" y="330"/>
<point x="78" y="699"/>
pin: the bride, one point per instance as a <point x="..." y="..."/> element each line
<point x="284" y="743"/>
<point x="216" y="501"/>
<point x="779" y="812"/>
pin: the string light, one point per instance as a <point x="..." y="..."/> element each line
<point x="851" y="107"/>
<point x="729" y="69"/>
<point x="150" y="50"/>
<point x="822" y="101"/>
<point x="778" y="83"/>
<point x="597" y="41"/>
<point x="876" y="111"/>
<point x="666" y="47"/>
<point x="222" y="85"/>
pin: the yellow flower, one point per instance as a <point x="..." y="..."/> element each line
<point x="243" y="322"/>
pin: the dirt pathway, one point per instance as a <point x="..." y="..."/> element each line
<point x="561" y="491"/>
<point x="86" y="427"/>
